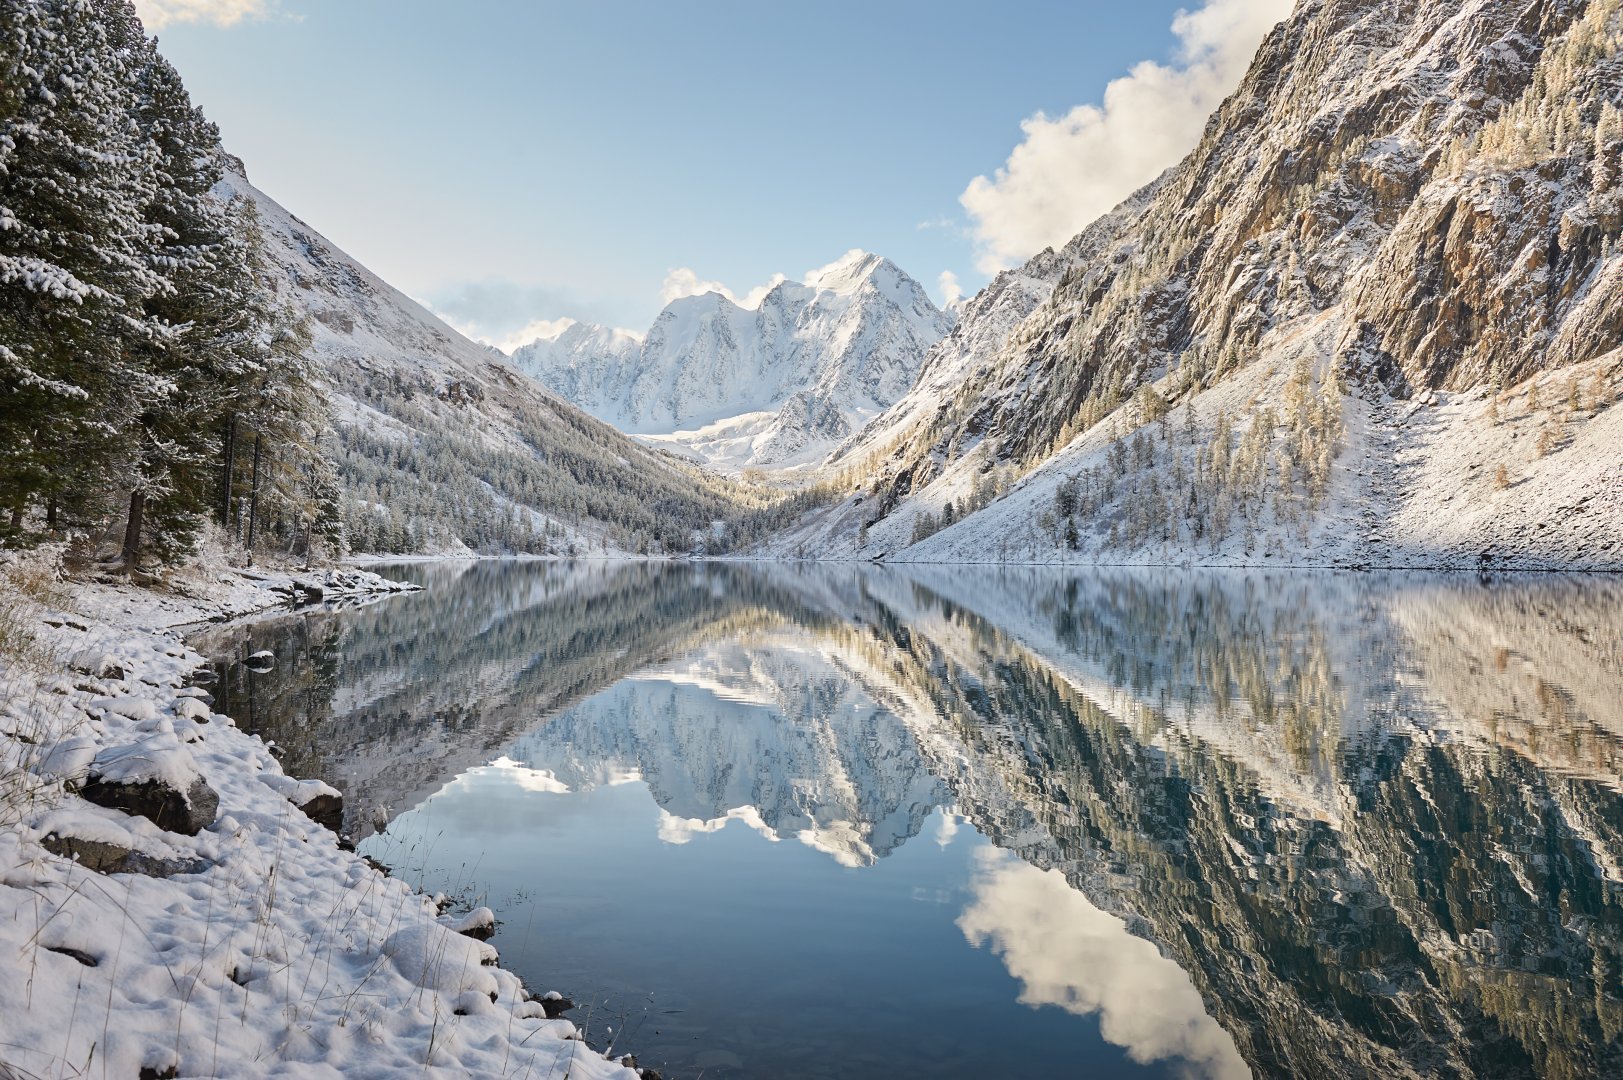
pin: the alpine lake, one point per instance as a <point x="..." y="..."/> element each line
<point x="806" y="820"/>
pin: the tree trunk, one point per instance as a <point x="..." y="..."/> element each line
<point x="50" y="515"/>
<point x="230" y="454"/>
<point x="253" y="500"/>
<point x="132" y="530"/>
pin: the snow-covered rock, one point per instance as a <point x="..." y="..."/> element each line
<point x="156" y="778"/>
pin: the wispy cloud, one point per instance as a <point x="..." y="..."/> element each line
<point x="949" y="288"/>
<point x="684" y="281"/>
<point x="157" y="14"/>
<point x="1068" y="170"/>
<point x="539" y="330"/>
<point x="506" y="314"/>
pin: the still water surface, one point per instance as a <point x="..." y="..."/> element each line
<point x="860" y="821"/>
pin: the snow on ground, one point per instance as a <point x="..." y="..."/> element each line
<point x="256" y="946"/>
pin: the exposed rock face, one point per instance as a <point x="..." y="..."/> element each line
<point x="1424" y="193"/>
<point x="188" y="811"/>
<point x="969" y="354"/>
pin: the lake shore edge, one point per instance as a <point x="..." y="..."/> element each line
<point x="170" y="904"/>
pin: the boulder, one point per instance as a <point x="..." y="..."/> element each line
<point x="326" y="808"/>
<point x="555" y="1004"/>
<point x="320" y="802"/>
<point x="190" y="811"/>
<point x="479" y="924"/>
<point x="109" y="858"/>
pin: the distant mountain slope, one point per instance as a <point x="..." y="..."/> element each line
<point x="445" y="447"/>
<point x="1377" y="306"/>
<point x="777" y="384"/>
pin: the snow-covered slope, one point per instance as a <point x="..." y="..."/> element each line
<point x="444" y="446"/>
<point x="1377" y="308"/>
<point x="776" y="384"/>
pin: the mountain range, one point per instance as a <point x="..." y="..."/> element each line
<point x="779" y="383"/>
<point x="1372" y="319"/>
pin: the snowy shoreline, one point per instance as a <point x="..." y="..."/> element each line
<point x="166" y="906"/>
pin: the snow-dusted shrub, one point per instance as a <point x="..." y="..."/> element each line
<point x="28" y="580"/>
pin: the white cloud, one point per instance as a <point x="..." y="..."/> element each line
<point x="157" y="14"/>
<point x="1068" y="953"/>
<point x="947" y="285"/>
<point x="683" y="281"/>
<point x="508" y="340"/>
<point x="1068" y="170"/>
<point x="753" y="298"/>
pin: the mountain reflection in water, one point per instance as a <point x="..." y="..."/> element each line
<point x="1289" y="824"/>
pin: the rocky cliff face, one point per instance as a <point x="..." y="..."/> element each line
<point x="1361" y="169"/>
<point x="1419" y="201"/>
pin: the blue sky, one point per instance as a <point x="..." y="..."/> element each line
<point x="514" y="162"/>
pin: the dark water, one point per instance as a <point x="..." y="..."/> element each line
<point x="819" y="821"/>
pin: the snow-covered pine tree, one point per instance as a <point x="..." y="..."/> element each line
<point x="75" y="175"/>
<point x="193" y="247"/>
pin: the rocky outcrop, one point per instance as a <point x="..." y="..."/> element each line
<point x="187" y="809"/>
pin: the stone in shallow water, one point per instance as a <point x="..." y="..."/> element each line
<point x="479" y="924"/>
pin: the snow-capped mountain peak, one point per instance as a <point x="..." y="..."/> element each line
<point x="779" y="383"/>
<point x="847" y="273"/>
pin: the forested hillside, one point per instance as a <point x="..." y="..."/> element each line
<point x="176" y="349"/>
<point x="443" y="446"/>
